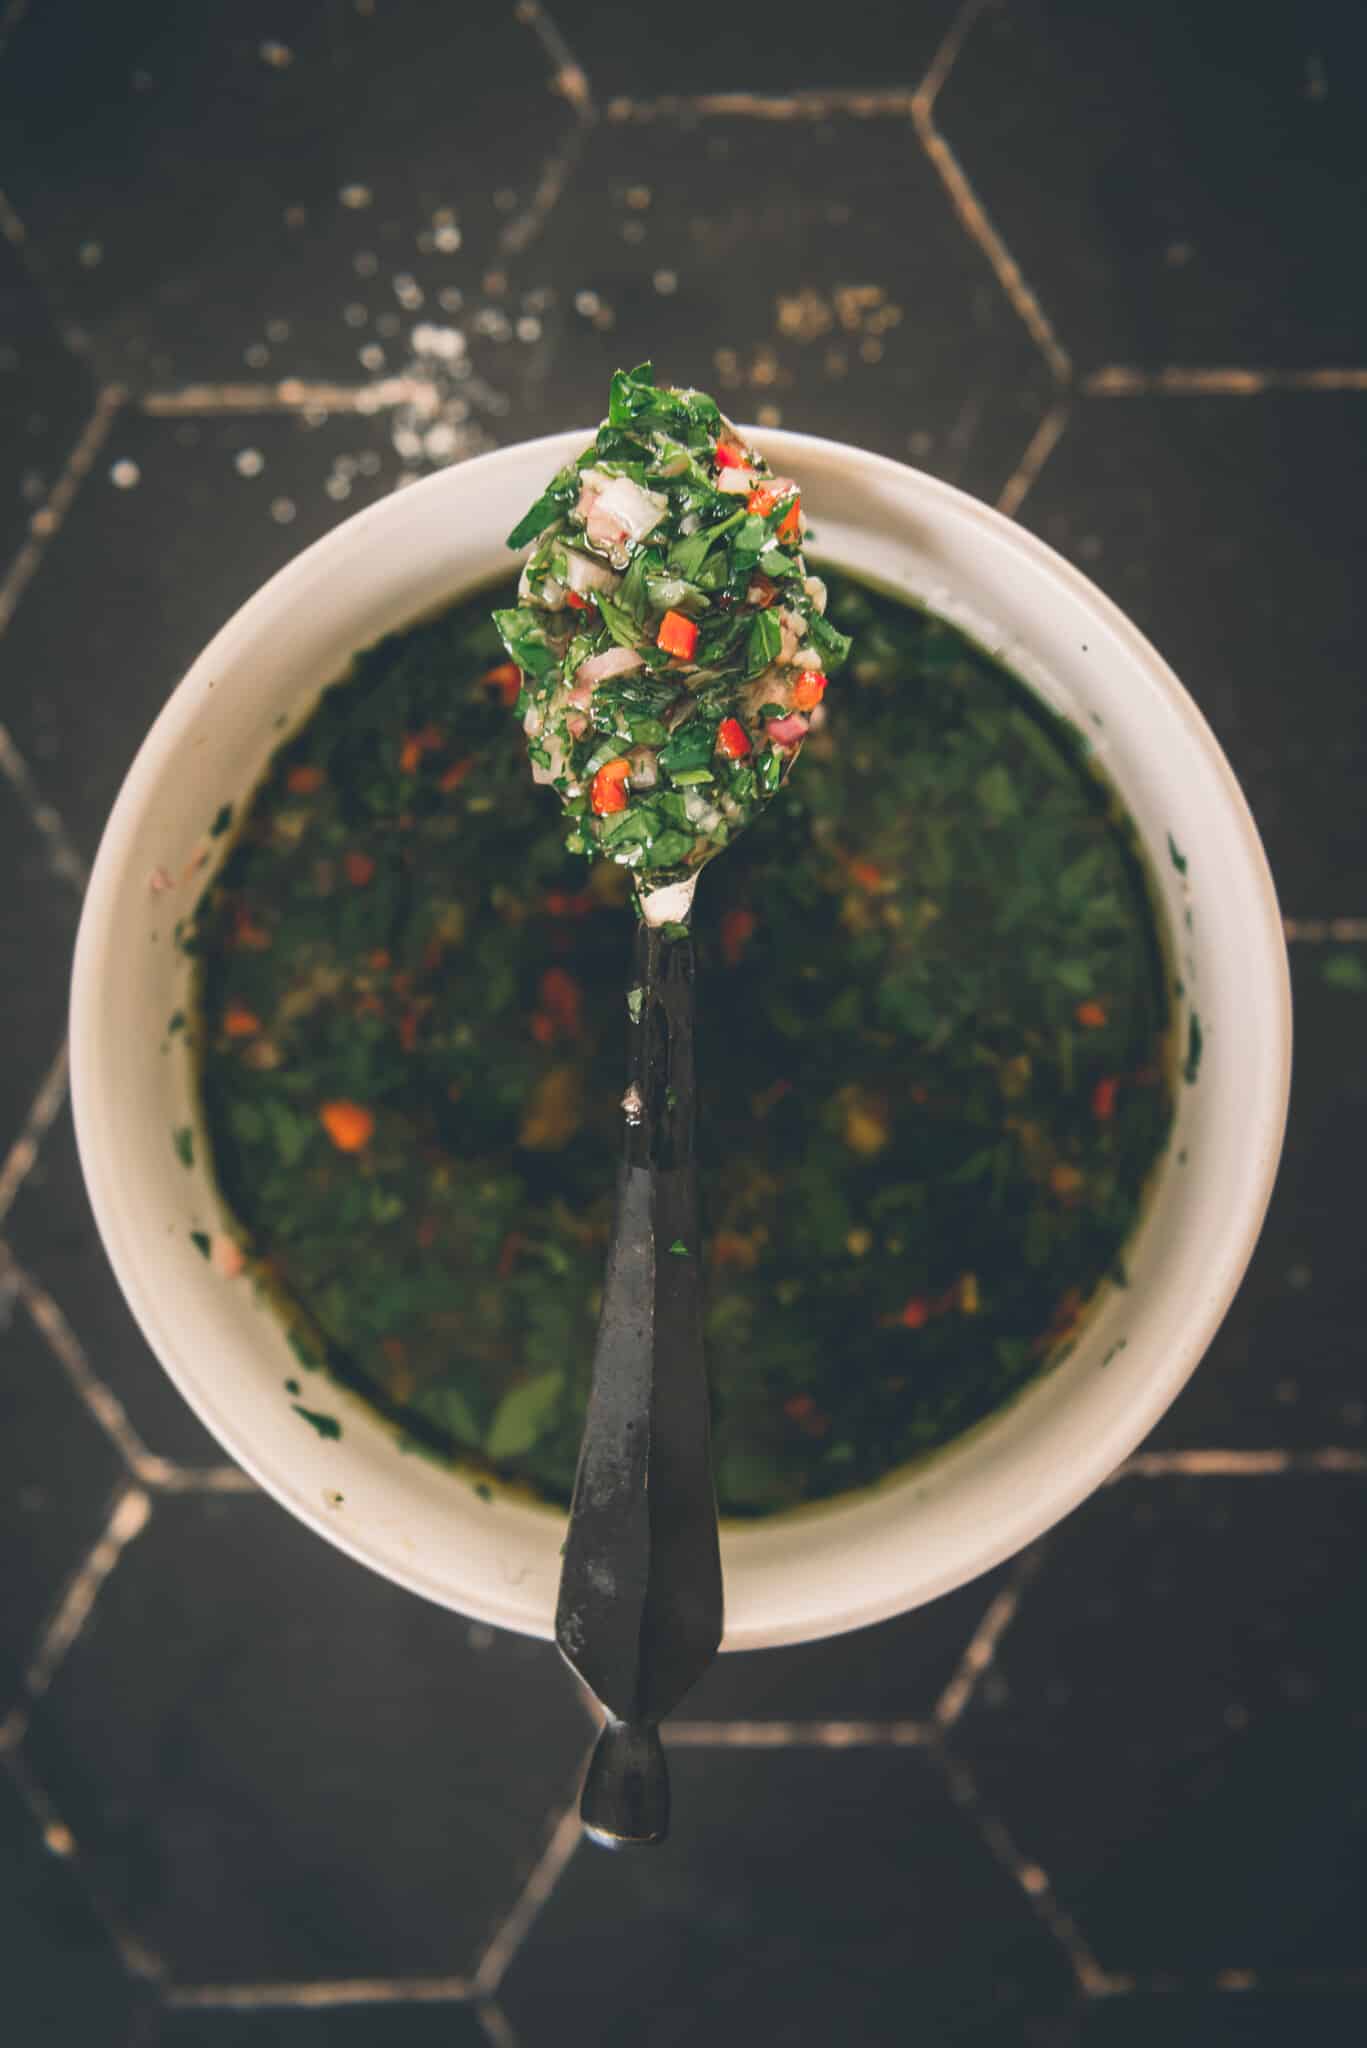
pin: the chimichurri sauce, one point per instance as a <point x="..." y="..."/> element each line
<point x="934" y="1061"/>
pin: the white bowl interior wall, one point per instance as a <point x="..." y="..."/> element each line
<point x="797" y="1576"/>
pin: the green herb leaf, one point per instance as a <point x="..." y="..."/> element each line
<point x="680" y="1249"/>
<point x="762" y="647"/>
<point x="523" y="1415"/>
<point x="553" y="503"/>
<point x="200" y="1240"/>
<point x="184" y="1142"/>
<point x="326" y="1425"/>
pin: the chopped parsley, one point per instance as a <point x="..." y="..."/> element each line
<point x="672" y="648"/>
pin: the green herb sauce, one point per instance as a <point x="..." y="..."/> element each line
<point x="935" y="1054"/>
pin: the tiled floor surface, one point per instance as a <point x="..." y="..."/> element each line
<point x="259" y="263"/>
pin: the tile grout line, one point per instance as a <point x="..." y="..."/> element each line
<point x="42" y="1113"/>
<point x="947" y="54"/>
<point x="61" y="1340"/>
<point x="1230" y="1464"/>
<point x="317" y="1994"/>
<point x="1041" y="446"/>
<point x="798" y="1734"/>
<point x="138" y="1960"/>
<point x="1032" y="1879"/>
<point x="1119" y="380"/>
<point x="976" y="224"/>
<point x="546" y="1873"/>
<point x="128" y="1518"/>
<point x="570" y="81"/>
<point x="498" y="2028"/>
<point x="983" y="1644"/>
<point x="63" y="857"/>
<point x="1314" y="931"/>
<point x="47" y="520"/>
<point x="288" y="395"/>
<point x="895" y="102"/>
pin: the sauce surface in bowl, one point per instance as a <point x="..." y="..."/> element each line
<point x="934" y="1062"/>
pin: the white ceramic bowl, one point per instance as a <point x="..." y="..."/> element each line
<point x="822" y="1571"/>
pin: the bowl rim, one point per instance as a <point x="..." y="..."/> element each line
<point x="1085" y="1467"/>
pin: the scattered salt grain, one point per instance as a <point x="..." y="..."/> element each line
<point x="282" y="510"/>
<point x="124" y="475"/>
<point x="355" y="196"/>
<point x="249" y="462"/>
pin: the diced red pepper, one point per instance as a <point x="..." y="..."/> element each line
<point x="867" y="874"/>
<point x="761" y="500"/>
<point x="677" y="635"/>
<point x="1103" y="1100"/>
<point x="1091" y="1016"/>
<point x="790" y="526"/>
<point x="575" y="601"/>
<point x="410" y="754"/>
<point x="609" y="790"/>
<point x="732" y="739"/>
<point x="808" y="690"/>
<point x="728" y="458"/>
<point x="240" y="1022"/>
<point x="506" y="678"/>
<point x="350" y="1125"/>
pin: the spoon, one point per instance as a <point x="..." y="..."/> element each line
<point x="673" y="653"/>
<point x="640" y="1610"/>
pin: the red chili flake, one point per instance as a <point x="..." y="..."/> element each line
<point x="360" y="868"/>
<point x="303" y="779"/>
<point x="1103" y="1099"/>
<point x="452" y="777"/>
<point x="914" y="1313"/>
<point x="559" y="903"/>
<point x="543" y="1028"/>
<point x="1090" y="1015"/>
<point x="410" y="754"/>
<point x="379" y="960"/>
<point x="917" y="1093"/>
<point x="738" y="927"/>
<point x="408" y="1031"/>
<point x="240" y="1022"/>
<point x="508" y="1254"/>
<point x="427" y="1232"/>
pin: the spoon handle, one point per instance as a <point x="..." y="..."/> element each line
<point x="639" y="1616"/>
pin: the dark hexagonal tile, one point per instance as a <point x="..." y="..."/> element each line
<point x="38" y="913"/>
<point x="1184" y="186"/>
<point x="1253" y="2018"/>
<point x="801" y="1899"/>
<point x="58" y="1472"/>
<point x="715" y="48"/>
<point x="209" y="194"/>
<point x="1230" y="530"/>
<point x="164" y="541"/>
<point x="895" y="1672"/>
<point x="54" y="1236"/>
<point x="359" y="2026"/>
<point x="1287" y="1366"/>
<point x="1176" y="1733"/>
<point x="283" y="1768"/>
<point x="62" y="1979"/>
<point x="758" y="260"/>
<point x="45" y="396"/>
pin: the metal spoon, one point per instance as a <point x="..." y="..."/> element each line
<point x="639" y="1617"/>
